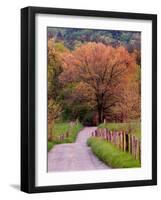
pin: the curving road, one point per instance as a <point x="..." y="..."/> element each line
<point x="75" y="156"/>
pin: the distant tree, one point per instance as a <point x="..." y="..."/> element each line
<point x="59" y="36"/>
<point x="129" y="105"/>
<point x="137" y="55"/>
<point x="50" y="35"/>
<point x="54" y="67"/>
<point x="54" y="112"/>
<point x="54" y="85"/>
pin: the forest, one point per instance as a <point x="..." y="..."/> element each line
<point x="94" y="77"/>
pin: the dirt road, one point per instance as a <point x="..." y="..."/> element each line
<point x="75" y="156"/>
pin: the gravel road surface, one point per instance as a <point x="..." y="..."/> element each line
<point x="75" y="156"/>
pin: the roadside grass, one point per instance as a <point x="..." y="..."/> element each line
<point x="61" y="128"/>
<point x="110" y="155"/>
<point x="131" y="127"/>
<point x="50" y="145"/>
<point x="73" y="133"/>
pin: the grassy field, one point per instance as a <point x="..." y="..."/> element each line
<point x="62" y="128"/>
<point x="110" y="155"/>
<point x="132" y="127"/>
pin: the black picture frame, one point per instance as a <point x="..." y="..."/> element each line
<point x="28" y="98"/>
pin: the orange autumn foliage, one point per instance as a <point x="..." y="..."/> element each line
<point x="104" y="73"/>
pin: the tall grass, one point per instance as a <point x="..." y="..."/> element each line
<point x="110" y="155"/>
<point x="73" y="133"/>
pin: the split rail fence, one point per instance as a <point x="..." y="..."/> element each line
<point x="122" y="140"/>
<point x="63" y="136"/>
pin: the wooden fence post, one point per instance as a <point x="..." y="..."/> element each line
<point x="126" y="142"/>
<point x="133" y="150"/>
<point x="98" y="134"/>
<point x="107" y="132"/>
<point x="129" y="141"/>
<point x="106" y="135"/>
<point x="118" y="140"/>
<point x="111" y="136"/>
<point x="121" y="141"/>
<point x="134" y="147"/>
<point x="67" y="134"/>
<point x="130" y="144"/>
<point x="137" y="149"/>
<point x="122" y="138"/>
<point x="114" y="137"/>
<point x="102" y="133"/>
<point x="140" y="151"/>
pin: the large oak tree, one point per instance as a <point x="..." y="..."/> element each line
<point x="100" y="73"/>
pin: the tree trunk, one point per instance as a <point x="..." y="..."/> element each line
<point x="100" y="114"/>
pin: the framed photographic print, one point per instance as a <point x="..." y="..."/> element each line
<point x="88" y="99"/>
